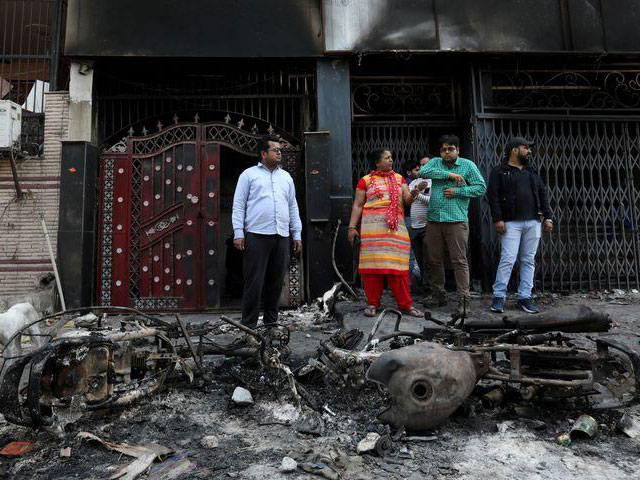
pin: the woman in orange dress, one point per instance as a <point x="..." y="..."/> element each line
<point x="384" y="240"/>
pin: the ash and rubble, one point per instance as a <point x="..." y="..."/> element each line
<point x="210" y="436"/>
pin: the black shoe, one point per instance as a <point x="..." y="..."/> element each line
<point x="463" y="307"/>
<point x="527" y="305"/>
<point x="436" y="300"/>
<point x="497" y="305"/>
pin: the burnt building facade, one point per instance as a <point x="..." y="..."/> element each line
<point x="167" y="101"/>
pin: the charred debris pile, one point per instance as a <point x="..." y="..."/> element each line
<point x="400" y="385"/>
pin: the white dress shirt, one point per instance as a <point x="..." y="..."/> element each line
<point x="265" y="202"/>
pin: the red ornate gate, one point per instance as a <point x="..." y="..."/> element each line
<point x="159" y="217"/>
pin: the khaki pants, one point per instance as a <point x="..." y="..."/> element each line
<point x="455" y="238"/>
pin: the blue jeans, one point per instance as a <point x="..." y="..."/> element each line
<point x="520" y="241"/>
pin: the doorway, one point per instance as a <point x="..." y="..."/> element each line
<point x="232" y="164"/>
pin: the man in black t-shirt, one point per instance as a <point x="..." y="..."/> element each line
<point x="518" y="201"/>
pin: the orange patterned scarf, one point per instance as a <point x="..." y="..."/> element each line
<point x="394" y="192"/>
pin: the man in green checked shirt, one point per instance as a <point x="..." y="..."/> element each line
<point x="455" y="180"/>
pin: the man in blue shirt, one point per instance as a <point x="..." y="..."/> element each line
<point x="265" y="213"/>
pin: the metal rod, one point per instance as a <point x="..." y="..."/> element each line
<point x="389" y="336"/>
<point x="133" y="335"/>
<point x="244" y="328"/>
<point x="530" y="348"/>
<point x="54" y="330"/>
<point x="183" y="328"/>
<point x="536" y="381"/>
<point x="376" y="325"/>
<point x="14" y="172"/>
<point x="335" y="266"/>
<point x="56" y="34"/>
<point x="53" y="263"/>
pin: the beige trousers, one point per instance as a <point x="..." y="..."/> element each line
<point x="455" y="238"/>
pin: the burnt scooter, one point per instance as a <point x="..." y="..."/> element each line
<point x="112" y="365"/>
<point x="429" y="374"/>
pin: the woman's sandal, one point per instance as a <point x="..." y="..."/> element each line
<point x="370" y="311"/>
<point x="413" y="312"/>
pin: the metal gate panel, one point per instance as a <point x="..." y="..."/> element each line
<point x="280" y="95"/>
<point x="167" y="233"/>
<point x="113" y="254"/>
<point x="292" y="294"/>
<point x="592" y="167"/>
<point x="396" y="112"/>
<point x="209" y="212"/>
<point x="406" y="141"/>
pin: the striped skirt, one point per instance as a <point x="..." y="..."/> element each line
<point x="383" y="251"/>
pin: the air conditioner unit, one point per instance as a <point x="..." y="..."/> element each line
<point x="10" y="124"/>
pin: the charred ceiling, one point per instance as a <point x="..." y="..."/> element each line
<point x="290" y="28"/>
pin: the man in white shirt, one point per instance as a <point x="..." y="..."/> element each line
<point x="265" y="213"/>
<point x="419" y="215"/>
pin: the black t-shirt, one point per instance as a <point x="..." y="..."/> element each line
<point x="525" y="197"/>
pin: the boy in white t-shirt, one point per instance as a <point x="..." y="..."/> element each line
<point x="418" y="224"/>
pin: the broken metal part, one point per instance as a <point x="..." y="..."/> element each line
<point x="396" y="340"/>
<point x="335" y="362"/>
<point x="566" y="319"/>
<point x="629" y="426"/>
<point x="427" y="381"/>
<point x="474" y="331"/>
<point x="493" y="398"/>
<point x="144" y="455"/>
<point x="348" y="365"/>
<point x="272" y="344"/>
<point x="395" y="335"/>
<point x="381" y="317"/>
<point x="541" y="338"/>
<point x="481" y="361"/>
<point x="347" y="339"/>
<point x="314" y="364"/>
<point x="86" y="371"/>
<point x="311" y="424"/>
<point x="244" y="328"/>
<point x="384" y="446"/>
<point x="584" y="426"/>
<point x="429" y="438"/>
<point x="187" y="337"/>
<point x="604" y="344"/>
<point x="563" y="439"/>
<point x="603" y="379"/>
<point x="64" y="368"/>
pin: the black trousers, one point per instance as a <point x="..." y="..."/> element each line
<point x="265" y="262"/>
<point x="416" y="235"/>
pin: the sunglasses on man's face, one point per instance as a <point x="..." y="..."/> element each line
<point x="274" y="150"/>
<point x="448" y="149"/>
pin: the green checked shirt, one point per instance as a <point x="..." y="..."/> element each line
<point x="456" y="209"/>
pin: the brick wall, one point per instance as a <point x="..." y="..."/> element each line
<point x="24" y="256"/>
